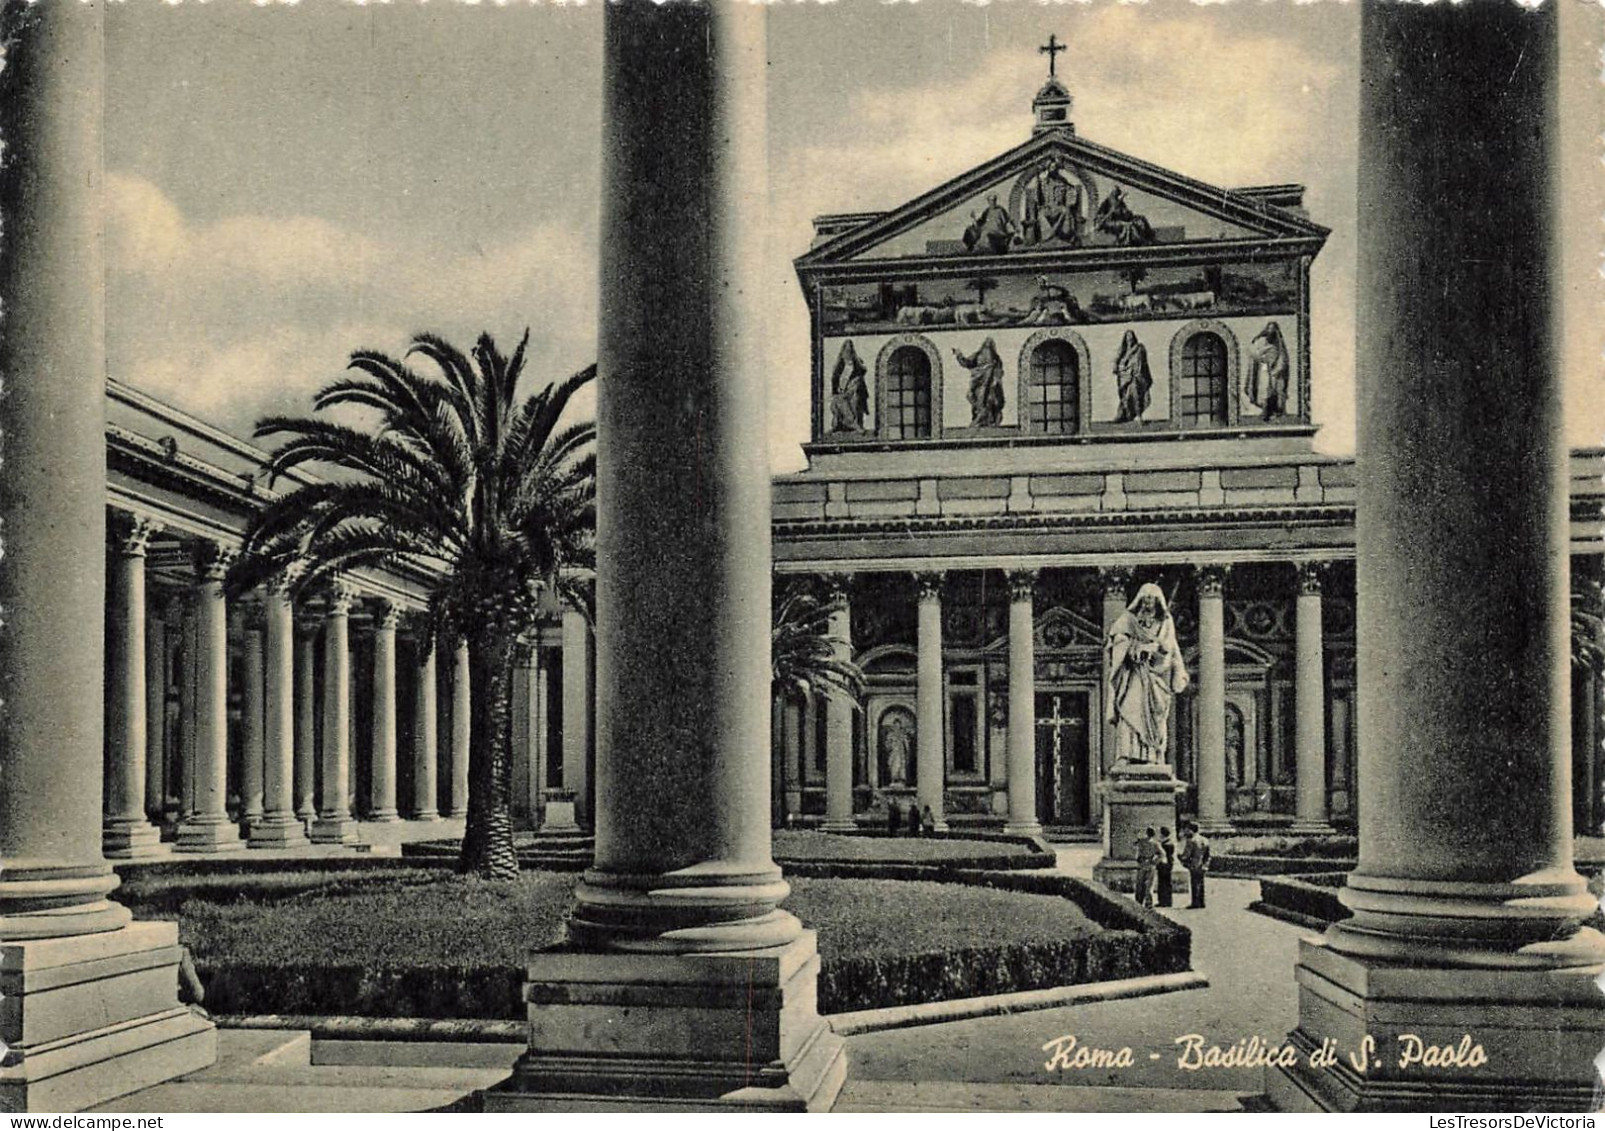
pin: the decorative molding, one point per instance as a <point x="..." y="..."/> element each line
<point x="930" y="585"/>
<point x="1178" y="342"/>
<point x="386" y="614"/>
<point x="133" y="533"/>
<point x="213" y="560"/>
<point x="883" y="360"/>
<point x="1022" y="584"/>
<point x="1311" y="578"/>
<point x="1022" y="383"/>
<point x="1212" y="580"/>
<point x="1304" y="516"/>
<point x="341" y="596"/>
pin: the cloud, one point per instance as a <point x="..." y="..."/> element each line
<point x="253" y="313"/>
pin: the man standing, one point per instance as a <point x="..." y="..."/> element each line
<point x="1167" y="864"/>
<point x="1148" y="857"/>
<point x="1195" y="858"/>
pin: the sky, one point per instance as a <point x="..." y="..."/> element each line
<point x="289" y="183"/>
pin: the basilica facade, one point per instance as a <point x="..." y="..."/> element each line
<point x="1037" y="386"/>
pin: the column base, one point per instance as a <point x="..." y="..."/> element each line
<point x="207" y="834"/>
<point x="455" y="814"/>
<point x="1302" y="827"/>
<point x="1022" y="828"/>
<point x="283" y="831"/>
<point x="737" y="1030"/>
<point x="384" y="816"/>
<point x="92" y="1017"/>
<point x="131" y="838"/>
<point x="424" y="815"/>
<point x="337" y="828"/>
<point x="306" y="813"/>
<point x="839" y="825"/>
<point x="1539" y="1032"/>
<point x="1136" y="796"/>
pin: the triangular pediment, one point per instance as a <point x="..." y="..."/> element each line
<point x="1056" y="629"/>
<point x="1063" y="195"/>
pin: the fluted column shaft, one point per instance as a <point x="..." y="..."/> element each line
<point x="382" y="800"/>
<point x="335" y="824"/>
<point x="461" y="732"/>
<point x="1309" y="702"/>
<point x="156" y="669"/>
<point x="207" y="828"/>
<point x="425" y="739"/>
<point x="127" y="833"/>
<point x="1212" y="697"/>
<point x="1022" y="752"/>
<point x="838" y="719"/>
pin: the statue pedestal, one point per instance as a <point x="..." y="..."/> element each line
<point x="559" y="816"/>
<point x="1136" y="796"/>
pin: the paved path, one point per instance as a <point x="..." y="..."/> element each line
<point x="996" y="1063"/>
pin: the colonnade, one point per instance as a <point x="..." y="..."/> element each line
<point x="1117" y="585"/>
<point x="297" y="695"/>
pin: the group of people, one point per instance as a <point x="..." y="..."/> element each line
<point x="1156" y="861"/>
<point x="921" y="822"/>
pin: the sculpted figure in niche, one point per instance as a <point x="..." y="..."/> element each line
<point x="897" y="746"/>
<point x="1268" y="371"/>
<point x="1143" y="675"/>
<point x="991" y="230"/>
<point x="986" y="384"/>
<point x="1116" y="217"/>
<point x="1053" y="212"/>
<point x="849" y="396"/>
<point x="1133" y="377"/>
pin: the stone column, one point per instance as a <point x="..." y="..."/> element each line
<point x="91" y="1008"/>
<point x="425" y="737"/>
<point x="207" y="827"/>
<point x="126" y="833"/>
<point x="577" y="710"/>
<point x="1467" y="907"/>
<point x="156" y="669"/>
<point x="535" y="734"/>
<point x="1309" y="703"/>
<point x="279" y="827"/>
<point x="306" y="733"/>
<point x="683" y="859"/>
<point x="792" y="753"/>
<point x="1022" y="745"/>
<point x="461" y="733"/>
<point x="930" y="743"/>
<point x="335" y="824"/>
<point x="186" y="708"/>
<point x="382" y="800"/>
<point x="1211" y="731"/>
<point x="252" y="709"/>
<point x="838" y="718"/>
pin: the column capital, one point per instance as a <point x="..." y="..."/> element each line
<point x="1022" y="584"/>
<point x="1212" y="580"/>
<point x="930" y="585"/>
<point x="836" y="588"/>
<point x="133" y="533"/>
<point x="1114" y="581"/>
<point x="213" y="560"/>
<point x="1311" y="577"/>
<point x="386" y="614"/>
<point x="339" y="597"/>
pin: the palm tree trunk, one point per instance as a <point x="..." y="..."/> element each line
<point x="488" y="849"/>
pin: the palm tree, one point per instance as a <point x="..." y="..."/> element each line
<point x="803" y="652"/>
<point x="493" y="498"/>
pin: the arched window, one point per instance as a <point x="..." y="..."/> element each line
<point x="1202" y="390"/>
<point x="908" y="394"/>
<point x="1053" y="393"/>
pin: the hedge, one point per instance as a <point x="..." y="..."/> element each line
<point x="1310" y="900"/>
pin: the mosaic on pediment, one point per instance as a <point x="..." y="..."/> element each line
<point x="1261" y="620"/>
<point x="1113" y="295"/>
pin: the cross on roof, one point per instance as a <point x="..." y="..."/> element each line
<point x="1051" y="49"/>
